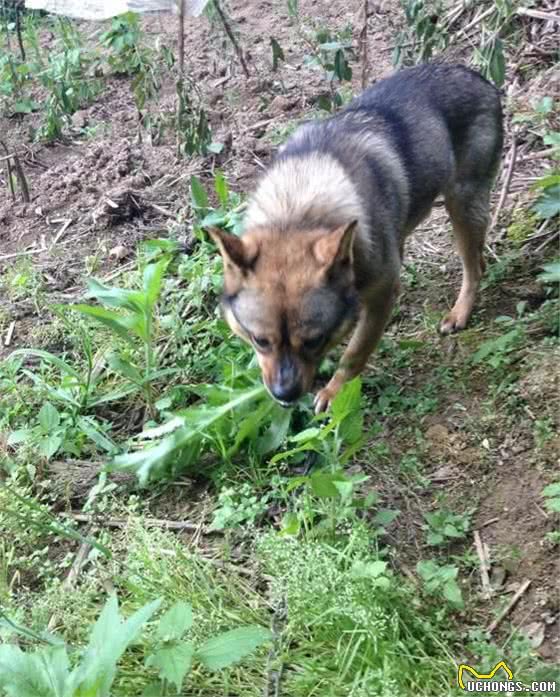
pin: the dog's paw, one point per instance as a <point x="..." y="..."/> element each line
<point x="323" y="399"/>
<point x="453" y="322"/>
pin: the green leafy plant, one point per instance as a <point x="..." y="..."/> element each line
<point x="130" y="316"/>
<point x="424" y="34"/>
<point x="443" y="526"/>
<point x="441" y="578"/>
<point x="229" y="213"/>
<point x="551" y="494"/>
<point x="331" y="53"/>
<point x="173" y="656"/>
<point x="49" y="672"/>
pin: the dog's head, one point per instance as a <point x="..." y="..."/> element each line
<point x="292" y="296"/>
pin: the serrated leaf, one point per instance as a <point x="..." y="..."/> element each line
<point x="173" y="663"/>
<point x="49" y="418"/>
<point x="175" y="622"/>
<point x="230" y="647"/>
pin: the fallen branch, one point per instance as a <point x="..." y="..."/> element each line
<point x="364" y="44"/>
<point x="484" y="566"/>
<point x="149" y="522"/>
<point x="507" y="182"/>
<point x="509" y="607"/>
<point x="538" y="14"/>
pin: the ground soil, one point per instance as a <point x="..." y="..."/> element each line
<point x="474" y="458"/>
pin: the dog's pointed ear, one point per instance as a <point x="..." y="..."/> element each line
<point x="336" y="247"/>
<point x="235" y="251"/>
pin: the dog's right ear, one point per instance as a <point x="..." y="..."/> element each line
<point x="237" y="253"/>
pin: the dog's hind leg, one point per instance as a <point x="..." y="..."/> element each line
<point x="468" y="208"/>
<point x="374" y="315"/>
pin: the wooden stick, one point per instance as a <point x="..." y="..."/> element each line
<point x="14" y="255"/>
<point x="232" y="38"/>
<point x="508" y="608"/>
<point x="364" y="44"/>
<point x="150" y="522"/>
<point x="484" y="565"/>
<point x="537" y="14"/>
<point x="10" y="333"/>
<point x="507" y="182"/>
<point x="540" y="155"/>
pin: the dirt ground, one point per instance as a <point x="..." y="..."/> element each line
<point x="65" y="231"/>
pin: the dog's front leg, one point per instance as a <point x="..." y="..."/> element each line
<point x="374" y="315"/>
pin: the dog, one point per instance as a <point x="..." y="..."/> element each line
<point x="325" y="228"/>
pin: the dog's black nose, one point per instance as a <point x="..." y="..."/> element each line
<point x="286" y="394"/>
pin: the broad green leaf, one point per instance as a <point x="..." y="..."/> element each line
<point x="306" y="435"/>
<point x="50" y="445"/>
<point x="553" y="504"/>
<point x="347" y="400"/>
<point x="551" y="273"/>
<point x="49" y="418"/>
<point x="290" y="525"/>
<point x="552" y="489"/>
<point x="42" y="673"/>
<point x="323" y="484"/>
<point x="153" y="276"/>
<point x="199" y="197"/>
<point x="22" y="435"/>
<point x="249" y="426"/>
<point x="175" y="622"/>
<point x="109" y="639"/>
<point x="221" y="188"/>
<point x="452" y="592"/>
<point x="548" y="204"/>
<point x="370" y="569"/>
<point x="173" y="662"/>
<point x="230" y="647"/>
<point x="385" y="516"/>
<point x="498" y="64"/>
<point x="276" y="433"/>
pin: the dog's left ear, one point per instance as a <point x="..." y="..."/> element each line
<point x="336" y="247"/>
<point x="235" y="251"/>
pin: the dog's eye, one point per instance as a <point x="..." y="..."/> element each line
<point x="314" y="343"/>
<point x="261" y="342"/>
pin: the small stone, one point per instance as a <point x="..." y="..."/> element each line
<point x="119" y="252"/>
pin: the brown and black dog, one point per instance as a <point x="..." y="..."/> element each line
<point x="325" y="229"/>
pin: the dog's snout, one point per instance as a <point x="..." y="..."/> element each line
<point x="287" y="386"/>
<point x="286" y="394"/>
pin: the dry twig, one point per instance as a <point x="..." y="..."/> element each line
<point x="484" y="565"/>
<point x="364" y="44"/>
<point x="231" y="37"/>
<point x="509" y="607"/>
